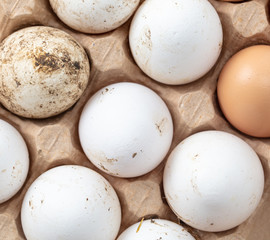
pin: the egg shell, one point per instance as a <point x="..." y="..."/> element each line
<point x="70" y="202"/>
<point x="231" y="0"/>
<point x="243" y="90"/>
<point x="94" y="16"/>
<point x="125" y="129"/>
<point x="43" y="72"/>
<point x="155" y="229"/>
<point x="175" y="41"/>
<point x="14" y="161"/>
<point x="213" y="181"/>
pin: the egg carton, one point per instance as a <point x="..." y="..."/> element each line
<point x="194" y="107"/>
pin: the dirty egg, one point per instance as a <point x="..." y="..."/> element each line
<point x="156" y="229"/>
<point x="94" y="16"/>
<point x="125" y="129"/>
<point x="43" y="70"/>
<point x="176" y="41"/>
<point x="213" y="181"/>
<point x="71" y="202"/>
<point x="14" y="161"/>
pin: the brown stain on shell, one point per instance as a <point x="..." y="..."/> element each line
<point x="111" y="160"/>
<point x="30" y="205"/>
<point x="161" y="126"/>
<point x="47" y="62"/>
<point x="103" y="168"/>
<point x="60" y="71"/>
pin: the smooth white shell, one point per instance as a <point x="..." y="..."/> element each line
<point x="71" y="202"/>
<point x="125" y="129"/>
<point x="94" y="16"/>
<point x="176" y="41"/>
<point x="213" y="181"/>
<point x="43" y="72"/>
<point x="156" y="229"/>
<point x="14" y="161"/>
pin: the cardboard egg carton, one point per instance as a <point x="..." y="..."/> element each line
<point x="194" y="107"/>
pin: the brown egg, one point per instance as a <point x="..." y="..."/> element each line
<point x="231" y="0"/>
<point x="243" y="90"/>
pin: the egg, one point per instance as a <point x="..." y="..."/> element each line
<point x="94" y="16"/>
<point x="243" y="90"/>
<point x="14" y="161"/>
<point x="43" y="72"/>
<point x="70" y="202"/>
<point x="213" y="181"/>
<point x="155" y="229"/>
<point x="175" y="41"/>
<point x="231" y="0"/>
<point x="125" y="129"/>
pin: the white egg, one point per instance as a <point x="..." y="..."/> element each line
<point x="176" y="41"/>
<point x="71" y="202"/>
<point x="213" y="181"/>
<point x="155" y="229"/>
<point x="94" y="16"/>
<point x="125" y="129"/>
<point x="14" y="161"/>
<point x="44" y="71"/>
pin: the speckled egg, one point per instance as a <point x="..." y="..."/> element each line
<point x="94" y="16"/>
<point x="43" y="72"/>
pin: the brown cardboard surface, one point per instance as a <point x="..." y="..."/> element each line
<point x="54" y="141"/>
